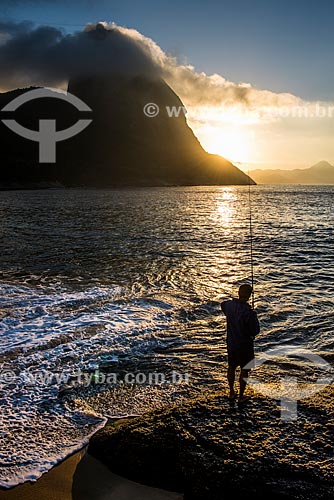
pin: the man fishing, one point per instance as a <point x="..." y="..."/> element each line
<point x="242" y="327"/>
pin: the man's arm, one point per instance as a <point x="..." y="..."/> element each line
<point x="254" y="325"/>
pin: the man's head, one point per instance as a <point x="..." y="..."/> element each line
<point x="245" y="291"/>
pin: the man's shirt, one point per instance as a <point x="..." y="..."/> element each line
<point x="242" y="324"/>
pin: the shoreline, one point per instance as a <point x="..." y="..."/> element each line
<point x="200" y="447"/>
<point x="83" y="477"/>
<point x="52" y="485"/>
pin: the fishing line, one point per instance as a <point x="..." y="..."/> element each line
<point x="251" y="237"/>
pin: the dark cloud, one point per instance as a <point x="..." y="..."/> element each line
<point x="46" y="55"/>
<point x="12" y="28"/>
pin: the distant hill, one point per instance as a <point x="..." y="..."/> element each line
<point x="121" y="147"/>
<point x="321" y="173"/>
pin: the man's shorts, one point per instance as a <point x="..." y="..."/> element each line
<point x="239" y="357"/>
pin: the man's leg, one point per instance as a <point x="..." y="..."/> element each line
<point x="231" y="379"/>
<point x="243" y="382"/>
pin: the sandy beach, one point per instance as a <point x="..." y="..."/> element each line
<point x="55" y="485"/>
<point x="82" y="477"/>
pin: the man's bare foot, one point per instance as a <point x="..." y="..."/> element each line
<point x="243" y="399"/>
<point x="233" y="396"/>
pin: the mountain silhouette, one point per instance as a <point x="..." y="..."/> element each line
<point x="321" y="173"/>
<point x="121" y="147"/>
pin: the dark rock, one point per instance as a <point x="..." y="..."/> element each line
<point x="212" y="449"/>
<point x="121" y="147"/>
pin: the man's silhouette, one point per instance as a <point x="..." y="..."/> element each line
<point x="242" y="326"/>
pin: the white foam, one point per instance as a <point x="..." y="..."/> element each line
<point x="60" y="333"/>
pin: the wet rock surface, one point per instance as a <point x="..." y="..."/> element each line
<point x="210" y="448"/>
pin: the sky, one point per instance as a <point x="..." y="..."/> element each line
<point x="285" y="48"/>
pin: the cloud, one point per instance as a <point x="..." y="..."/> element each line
<point x="230" y="118"/>
<point x="11" y="28"/>
<point x="48" y="56"/>
<point x="200" y="89"/>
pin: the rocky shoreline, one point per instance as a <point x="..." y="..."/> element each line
<point x="210" y="448"/>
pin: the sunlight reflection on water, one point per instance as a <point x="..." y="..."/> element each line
<point x="139" y="274"/>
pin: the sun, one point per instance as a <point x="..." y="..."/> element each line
<point x="233" y="143"/>
<point x="228" y="132"/>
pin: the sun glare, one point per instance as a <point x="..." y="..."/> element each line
<point x="233" y="144"/>
<point x="226" y="205"/>
<point x="225" y="131"/>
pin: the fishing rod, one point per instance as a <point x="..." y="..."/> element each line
<point x="251" y="237"/>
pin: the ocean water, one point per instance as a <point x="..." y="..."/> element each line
<point x="130" y="281"/>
